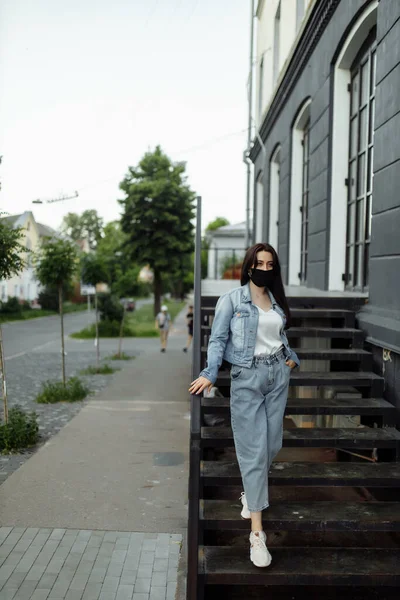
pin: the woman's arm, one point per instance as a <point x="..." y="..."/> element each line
<point x="219" y="336"/>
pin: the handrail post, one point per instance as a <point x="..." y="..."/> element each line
<point x="193" y="592"/>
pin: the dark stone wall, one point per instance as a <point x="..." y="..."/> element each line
<point x="314" y="82"/>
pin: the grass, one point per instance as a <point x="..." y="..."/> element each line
<point x="121" y="356"/>
<point x="54" y="391"/>
<point x="36" y="313"/>
<point x="101" y="370"/>
<point x="137" y="324"/>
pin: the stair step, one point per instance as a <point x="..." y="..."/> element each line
<point x="309" y="474"/>
<point x="314" y="406"/>
<point x="302" y="566"/>
<point x="327" y="378"/>
<point x="362" y="437"/>
<point x="306" y="516"/>
<point x="352" y="354"/>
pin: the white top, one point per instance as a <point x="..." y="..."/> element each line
<point x="268" y="340"/>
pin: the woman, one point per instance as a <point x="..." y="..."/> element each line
<point x="189" y="321"/>
<point x="163" y="320"/>
<point x="249" y="332"/>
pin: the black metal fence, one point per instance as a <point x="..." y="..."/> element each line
<point x="195" y="429"/>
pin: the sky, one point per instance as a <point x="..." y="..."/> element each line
<point x="88" y="86"/>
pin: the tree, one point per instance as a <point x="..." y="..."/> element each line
<point x="110" y="250"/>
<point x="217" y="223"/>
<point x="94" y="271"/>
<point x="157" y="217"/>
<point x="56" y="264"/>
<point x="11" y="263"/>
<point x="88" y="225"/>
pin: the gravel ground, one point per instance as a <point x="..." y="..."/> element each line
<point x="25" y="376"/>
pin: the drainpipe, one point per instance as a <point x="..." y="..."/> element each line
<point x="246" y="157"/>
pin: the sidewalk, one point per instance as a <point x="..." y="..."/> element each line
<point x="115" y="479"/>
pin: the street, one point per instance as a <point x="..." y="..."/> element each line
<point x="22" y="337"/>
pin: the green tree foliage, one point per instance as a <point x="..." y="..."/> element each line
<point x="88" y="225"/>
<point x="56" y="265"/>
<point x="11" y="263"/>
<point x="217" y="223"/>
<point x="11" y="251"/>
<point x="157" y="217"/>
<point x="94" y="269"/>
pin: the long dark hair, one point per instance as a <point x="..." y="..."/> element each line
<point x="278" y="290"/>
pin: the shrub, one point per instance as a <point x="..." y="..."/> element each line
<point x="12" y="306"/>
<point x="110" y="308"/>
<point x="102" y="370"/>
<point x="48" y="297"/>
<point x="21" y="431"/>
<point x="121" y="356"/>
<point x="54" y="391"/>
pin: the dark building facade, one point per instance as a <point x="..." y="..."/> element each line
<point x="329" y="165"/>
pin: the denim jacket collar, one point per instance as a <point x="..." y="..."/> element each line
<point x="246" y="295"/>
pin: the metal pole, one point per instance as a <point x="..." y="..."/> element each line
<point x="194" y="535"/>
<point x="247" y="160"/>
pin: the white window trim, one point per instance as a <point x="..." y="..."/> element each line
<point x="259" y="232"/>
<point x="340" y="145"/>
<point x="296" y="193"/>
<point x="274" y="189"/>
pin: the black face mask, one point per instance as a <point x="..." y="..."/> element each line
<point x="262" y="278"/>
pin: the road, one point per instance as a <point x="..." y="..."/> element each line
<point x="22" y="337"/>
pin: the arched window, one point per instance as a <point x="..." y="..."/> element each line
<point x="273" y="221"/>
<point x="298" y="227"/>
<point x="352" y="155"/>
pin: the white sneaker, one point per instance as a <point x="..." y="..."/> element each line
<point x="245" y="514"/>
<point x="259" y="555"/>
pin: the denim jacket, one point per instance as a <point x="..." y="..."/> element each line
<point x="234" y="332"/>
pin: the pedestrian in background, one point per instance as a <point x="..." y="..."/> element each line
<point x="163" y="321"/>
<point x="189" y="321"/>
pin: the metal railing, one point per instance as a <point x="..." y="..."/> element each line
<point x="194" y="534"/>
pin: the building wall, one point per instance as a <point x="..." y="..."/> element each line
<point x="24" y="285"/>
<point x="265" y="24"/>
<point x="313" y="83"/>
<point x="318" y="82"/>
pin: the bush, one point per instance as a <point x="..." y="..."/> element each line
<point x="110" y="308"/>
<point x="48" y="297"/>
<point x="21" y="431"/>
<point x="121" y="356"/>
<point x="12" y="306"/>
<point x="54" y="391"/>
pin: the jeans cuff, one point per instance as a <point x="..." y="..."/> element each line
<point x="259" y="509"/>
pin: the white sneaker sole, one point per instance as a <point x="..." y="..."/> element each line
<point x="256" y="564"/>
<point x="245" y="514"/>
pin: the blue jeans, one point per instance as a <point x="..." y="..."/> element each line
<point x="258" y="400"/>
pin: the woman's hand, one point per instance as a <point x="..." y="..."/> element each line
<point x="199" y="385"/>
<point x="291" y="363"/>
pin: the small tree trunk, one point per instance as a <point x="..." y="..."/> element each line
<point x="3" y="377"/>
<point x="97" y="342"/>
<point x="60" y="308"/>
<point x="121" y="332"/>
<point x="157" y="292"/>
